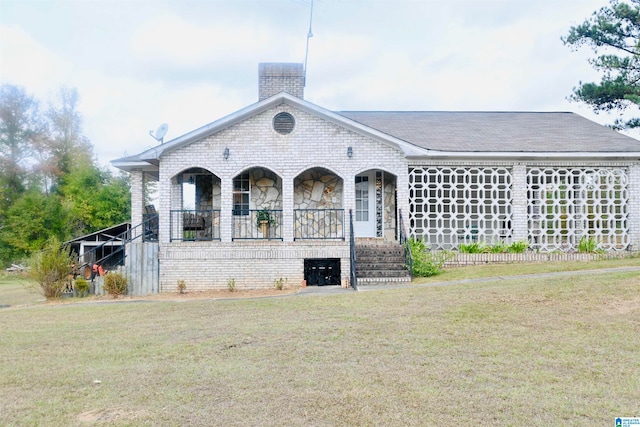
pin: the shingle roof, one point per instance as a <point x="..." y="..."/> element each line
<point x="496" y="131"/>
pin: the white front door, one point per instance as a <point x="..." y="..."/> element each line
<point x="364" y="222"/>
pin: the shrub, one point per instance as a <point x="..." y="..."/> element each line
<point x="279" y="283"/>
<point x="115" y="284"/>
<point x="518" y="247"/>
<point x="587" y="245"/>
<point x="182" y="286"/>
<point x="473" y="248"/>
<point x="231" y="285"/>
<point x="499" y="248"/>
<point x="81" y="286"/>
<point x="426" y="263"/>
<point x="50" y="268"/>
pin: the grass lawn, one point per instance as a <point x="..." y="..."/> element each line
<point x="18" y="290"/>
<point x="552" y="351"/>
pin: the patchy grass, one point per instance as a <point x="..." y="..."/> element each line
<point x="510" y="352"/>
<point x="16" y="289"/>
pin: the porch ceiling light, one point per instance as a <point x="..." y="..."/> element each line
<point x="350" y="151"/>
<point x="226" y="153"/>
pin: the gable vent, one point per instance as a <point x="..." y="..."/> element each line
<point x="283" y="123"/>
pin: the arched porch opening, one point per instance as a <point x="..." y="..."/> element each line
<point x="195" y="205"/>
<point x="318" y="205"/>
<point x="257" y="204"/>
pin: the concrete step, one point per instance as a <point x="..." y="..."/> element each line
<point x="382" y="273"/>
<point x="379" y="254"/>
<point x="366" y="266"/>
<point x="382" y="262"/>
<point x="373" y="241"/>
<point x="381" y="281"/>
<point x="379" y="261"/>
<point x="380" y="246"/>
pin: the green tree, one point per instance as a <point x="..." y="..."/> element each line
<point x="21" y="129"/>
<point x="32" y="220"/>
<point x="50" y="184"/>
<point x="95" y="198"/>
<point x="613" y="32"/>
<point x="113" y="201"/>
<point x="67" y="148"/>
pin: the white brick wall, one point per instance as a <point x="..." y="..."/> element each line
<point x="274" y="78"/>
<point x="253" y="143"/>
<point x="519" y="206"/>
<point x="137" y="197"/>
<point x="634" y="205"/>
<point x="313" y="143"/>
<point x="252" y="264"/>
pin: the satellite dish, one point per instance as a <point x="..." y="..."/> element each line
<point x="160" y="133"/>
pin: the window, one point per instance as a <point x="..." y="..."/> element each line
<point x="362" y="198"/>
<point x="241" y="193"/>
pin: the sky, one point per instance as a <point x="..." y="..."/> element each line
<point x="140" y="63"/>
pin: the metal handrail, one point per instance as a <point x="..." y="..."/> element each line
<point x="125" y="237"/>
<point x="404" y="241"/>
<point x="318" y="224"/>
<point x="352" y="248"/>
<point x="257" y="224"/>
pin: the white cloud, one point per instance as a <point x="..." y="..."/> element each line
<point x="143" y="106"/>
<point x="189" y="63"/>
<point x="27" y="62"/>
<point x="170" y="38"/>
<point x="456" y="63"/>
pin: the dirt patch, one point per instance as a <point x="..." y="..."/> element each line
<point x="175" y="296"/>
<point x="623" y="307"/>
<point x="192" y="295"/>
<point x="108" y="416"/>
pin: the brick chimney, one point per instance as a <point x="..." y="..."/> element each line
<point x="276" y="77"/>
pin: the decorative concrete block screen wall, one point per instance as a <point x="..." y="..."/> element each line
<point x="567" y="204"/>
<point x="452" y="205"/>
<point x="551" y="206"/>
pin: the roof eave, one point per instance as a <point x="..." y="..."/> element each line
<point x="214" y="127"/>
<point x="519" y="155"/>
<point x="154" y="154"/>
<point x="130" y="166"/>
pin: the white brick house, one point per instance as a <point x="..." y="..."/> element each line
<point x="548" y="178"/>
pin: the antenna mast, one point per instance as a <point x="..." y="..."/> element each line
<point x="306" y="53"/>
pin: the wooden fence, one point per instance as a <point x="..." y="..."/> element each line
<point x="141" y="269"/>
